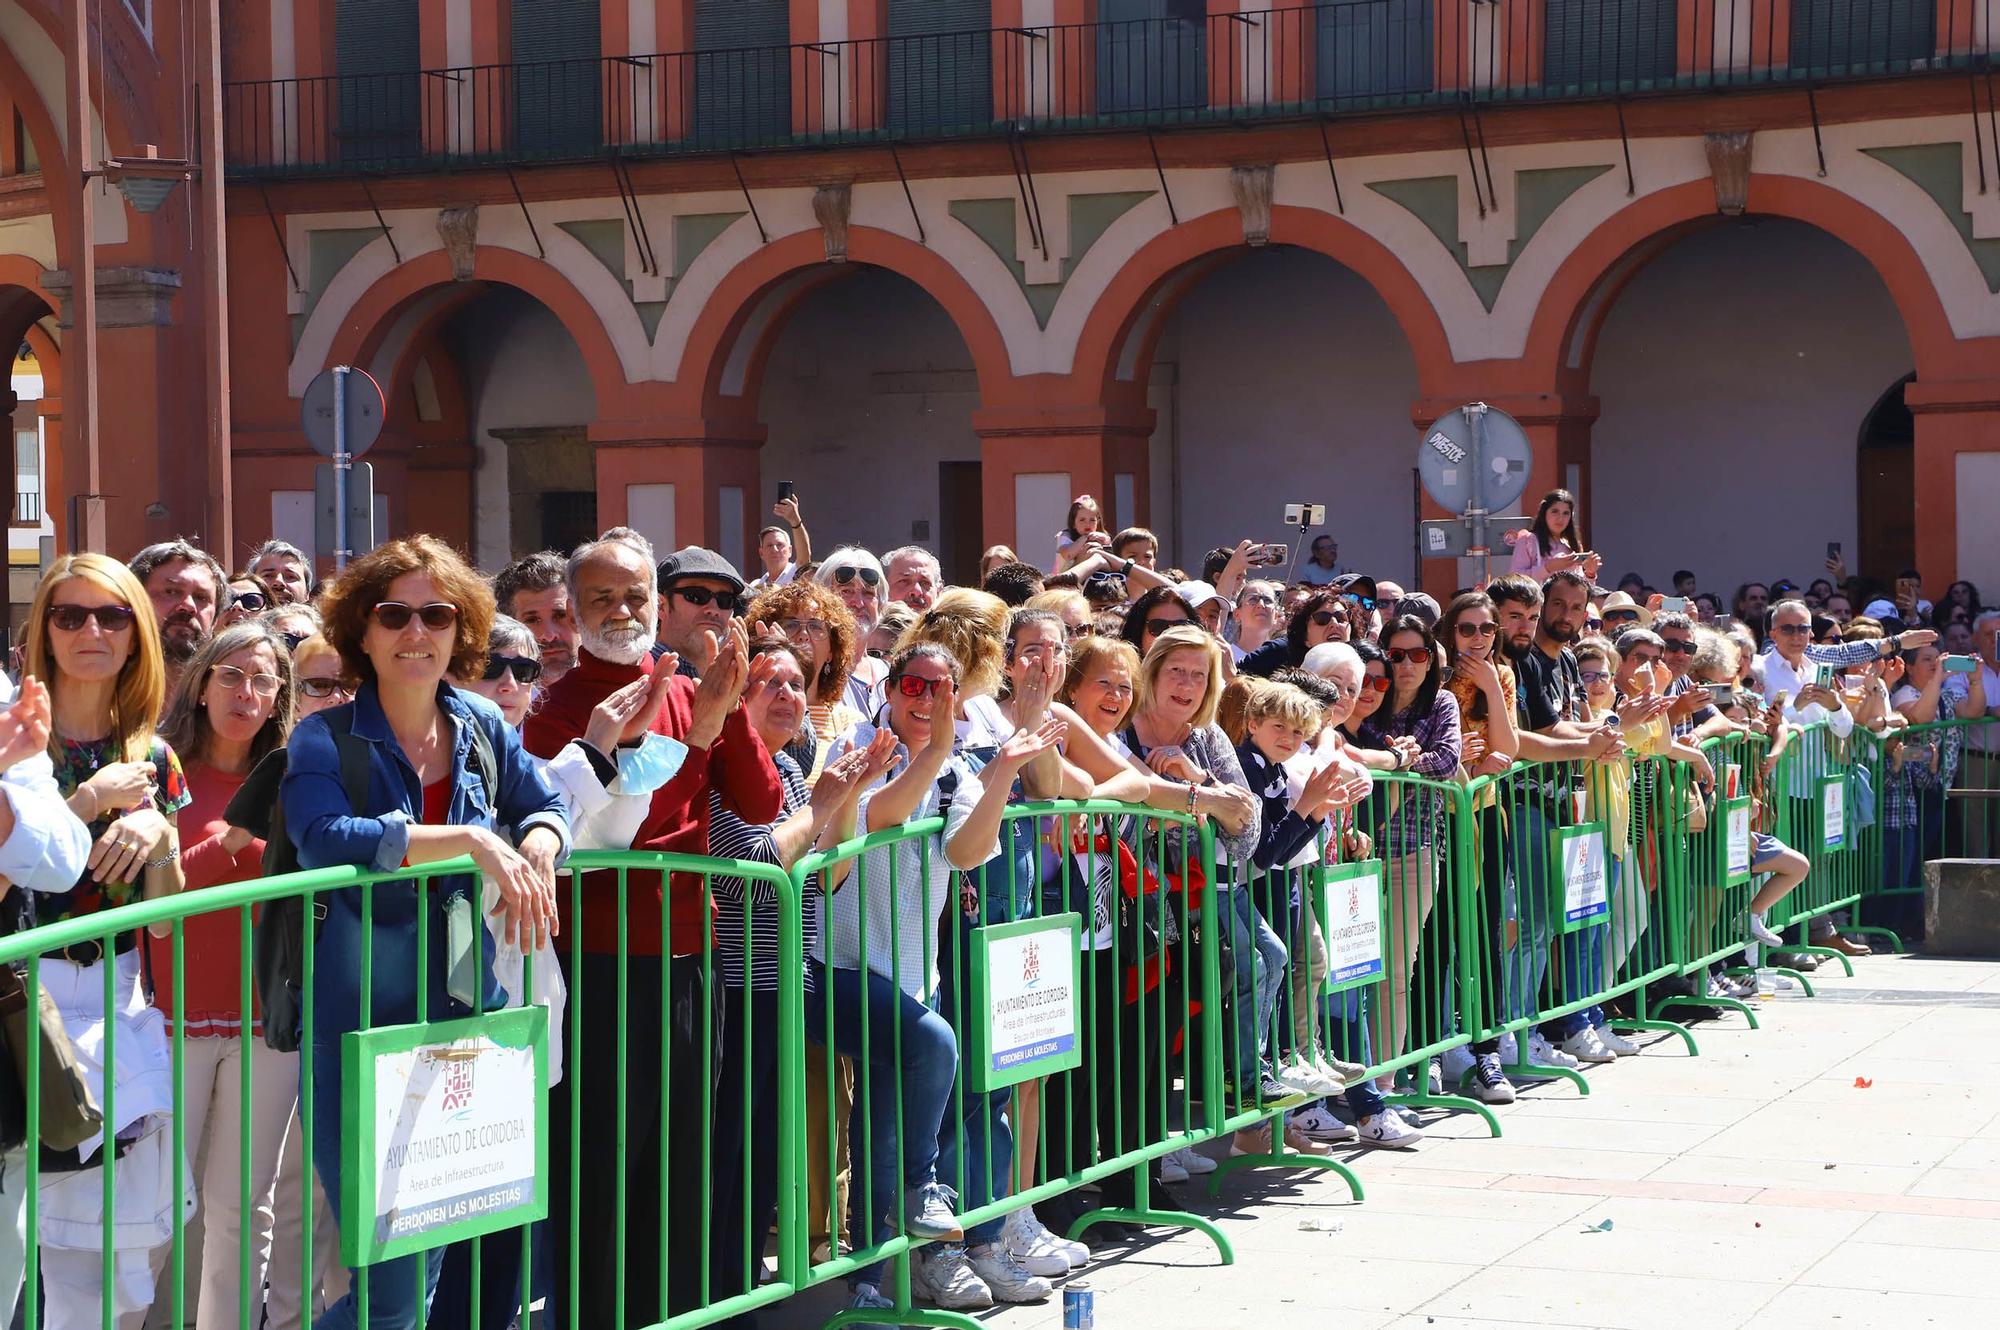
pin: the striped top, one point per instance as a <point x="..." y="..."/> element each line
<point x="730" y="837"/>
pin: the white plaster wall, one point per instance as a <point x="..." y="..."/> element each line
<point x="521" y="368"/>
<point x="867" y="389"/>
<point x="1295" y="385"/>
<point x="1737" y="368"/>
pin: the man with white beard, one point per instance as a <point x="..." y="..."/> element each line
<point x="613" y="596"/>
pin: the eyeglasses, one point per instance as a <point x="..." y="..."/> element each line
<point x="848" y="572"/>
<point x="1258" y="598"/>
<point x="1590" y="677"/>
<point x="525" y="671"/>
<point x="1375" y="683"/>
<point x="699" y="596"/>
<point x="879" y="653"/>
<point x="1475" y="629"/>
<point x="1080" y="630"/>
<point x="1677" y="648"/>
<point x="1414" y="655"/>
<point x="231" y="678"/>
<point x="249" y="600"/>
<point x="809" y="627"/>
<point x="1325" y="617"/>
<point x="395" y="615"/>
<point x="1793" y="629"/>
<point x="71" y="618"/>
<point x="1621" y="616"/>
<point x="1157" y="626"/>
<point x="326" y="687"/>
<point x="909" y="685"/>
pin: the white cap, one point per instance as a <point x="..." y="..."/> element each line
<point x="1198" y="594"/>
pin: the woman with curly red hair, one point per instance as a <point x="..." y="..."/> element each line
<point x="817" y="622"/>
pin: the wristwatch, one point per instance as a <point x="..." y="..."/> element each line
<point x="1126" y="571"/>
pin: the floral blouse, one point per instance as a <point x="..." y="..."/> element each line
<point x="78" y="761"/>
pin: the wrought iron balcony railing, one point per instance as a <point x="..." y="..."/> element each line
<point x="1318" y="60"/>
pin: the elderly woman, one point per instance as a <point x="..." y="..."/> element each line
<point x="854" y="575"/>
<point x="445" y="775"/>
<point x="817" y="622"/>
<point x="232" y="707"/>
<point x="92" y="638"/>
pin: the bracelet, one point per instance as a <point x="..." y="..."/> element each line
<point x="172" y="854"/>
<point x="1193" y="789"/>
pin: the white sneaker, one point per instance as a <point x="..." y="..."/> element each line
<point x="1007" y="1277"/>
<point x="1387" y="1131"/>
<point x="1510" y="1049"/>
<point x="1585" y="1046"/>
<point x="1761" y="931"/>
<point x="1433" y="1077"/>
<point x="1023" y="1233"/>
<point x="1192" y="1161"/>
<point x="1299" y="1078"/>
<point x="1785" y="985"/>
<point x="1616" y="1042"/>
<point x="944" y="1275"/>
<point x="1171" y="1171"/>
<point x="1545" y="1054"/>
<point x="1320" y="1124"/>
<point x="1342" y="1073"/>
<point x="1490" y="1084"/>
<point x="1455" y="1062"/>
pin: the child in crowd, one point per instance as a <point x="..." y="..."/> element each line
<point x="1082" y="536"/>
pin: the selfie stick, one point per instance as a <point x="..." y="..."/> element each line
<point x="1299" y="546"/>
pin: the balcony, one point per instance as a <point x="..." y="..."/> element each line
<point x="1314" y="61"/>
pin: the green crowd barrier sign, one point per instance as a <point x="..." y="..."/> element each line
<point x="1026" y="995"/>
<point x="444" y="1132"/>
<point x="1350" y="903"/>
<point x="1736" y="840"/>
<point x="1833" y="811"/>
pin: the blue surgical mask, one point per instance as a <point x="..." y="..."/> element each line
<point x="652" y="764"/>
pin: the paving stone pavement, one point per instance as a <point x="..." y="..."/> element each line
<point x="1755" y="1185"/>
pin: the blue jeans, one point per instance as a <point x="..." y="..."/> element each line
<point x="1347" y="1035"/>
<point x="1526" y="900"/>
<point x="976" y="1144"/>
<point x="399" y="1291"/>
<point x="884" y="1166"/>
<point x="1583" y="972"/>
<point x="1259" y="957"/>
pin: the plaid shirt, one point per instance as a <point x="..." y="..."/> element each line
<point x="1913" y="779"/>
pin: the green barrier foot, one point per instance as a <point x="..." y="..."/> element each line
<point x="1875" y="930"/>
<point x="1282" y="1158"/>
<point x="1719" y="1003"/>
<point x="1534" y="1071"/>
<point x="1147" y="1217"/>
<point x="1450" y="1103"/>
<point x="1840" y="956"/>
<point x="903" y="1313"/>
<point x="1671" y="1027"/>
<point x="1805" y="984"/>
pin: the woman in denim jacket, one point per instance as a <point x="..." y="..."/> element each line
<point x="405" y="617"/>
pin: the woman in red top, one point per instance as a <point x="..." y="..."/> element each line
<point x="233" y="705"/>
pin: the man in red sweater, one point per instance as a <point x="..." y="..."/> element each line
<point x="613" y="598"/>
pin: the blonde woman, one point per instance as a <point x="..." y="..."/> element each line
<point x="93" y="639"/>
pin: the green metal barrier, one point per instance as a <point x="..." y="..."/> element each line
<point x="1934" y="794"/>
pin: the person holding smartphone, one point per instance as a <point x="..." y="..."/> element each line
<point x="783" y="547"/>
<point x="1555" y="541"/>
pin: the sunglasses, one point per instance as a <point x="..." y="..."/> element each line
<point x="71" y="618"/>
<point x="231" y="678"/>
<point x="1325" y="617"/>
<point x="1157" y="626"/>
<point x="1375" y="683"/>
<point x="326" y="687"/>
<point x="698" y="596"/>
<point x="1415" y="655"/>
<point x="525" y="671"/>
<point x="909" y="685"/>
<point x="1365" y="602"/>
<point x="249" y="600"/>
<point x="1621" y="616"/>
<point x="1476" y="629"/>
<point x="292" y="640"/>
<point x="848" y="572"/>
<point x="808" y="627"/>
<point x="395" y="615"/>
<point x="1793" y="629"/>
<point x="1081" y="630"/>
<point x="1674" y="648"/>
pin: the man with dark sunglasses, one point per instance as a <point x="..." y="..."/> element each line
<point x="701" y="593"/>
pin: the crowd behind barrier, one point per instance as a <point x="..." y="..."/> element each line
<point x="666" y="946"/>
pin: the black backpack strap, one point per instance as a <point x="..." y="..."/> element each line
<point x="354" y="757"/>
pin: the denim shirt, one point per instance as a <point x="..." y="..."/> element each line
<point x="327" y="832"/>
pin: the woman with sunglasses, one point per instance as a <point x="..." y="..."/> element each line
<point x="93" y="639"/>
<point x="1420" y="713"/>
<point x="1321" y="617"/>
<point x="818" y="623"/>
<point x="1153" y="613"/>
<point x="232" y="707"/>
<point x="405" y="617"/>
<point x="1257" y="615"/>
<point x="246" y="597"/>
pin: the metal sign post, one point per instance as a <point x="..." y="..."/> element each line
<point x="342" y="417"/>
<point x="343" y="461"/>
<point x="1474" y="462"/>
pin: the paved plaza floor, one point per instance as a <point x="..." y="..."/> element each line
<point x="1759" y="1184"/>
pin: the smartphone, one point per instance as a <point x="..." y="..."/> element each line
<point x="1268" y="556"/>
<point x="1723" y="694"/>
<point x="1305" y="514"/>
<point x="1674" y="604"/>
<point x="784" y="490"/>
<point x="1833" y="551"/>
<point x="1907" y="586"/>
<point x="1960" y="664"/>
<point x="1724" y="622"/>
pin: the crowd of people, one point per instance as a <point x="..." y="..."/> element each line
<point x="177" y="727"/>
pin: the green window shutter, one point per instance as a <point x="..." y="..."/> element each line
<point x="378" y="115"/>
<point x="742" y="72"/>
<point x="1608" y="45"/>
<point x="1861" y="36"/>
<point x="940" y="66"/>
<point x="1374" y="48"/>
<point x="557" y="77"/>
<point x="1150" y="56"/>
